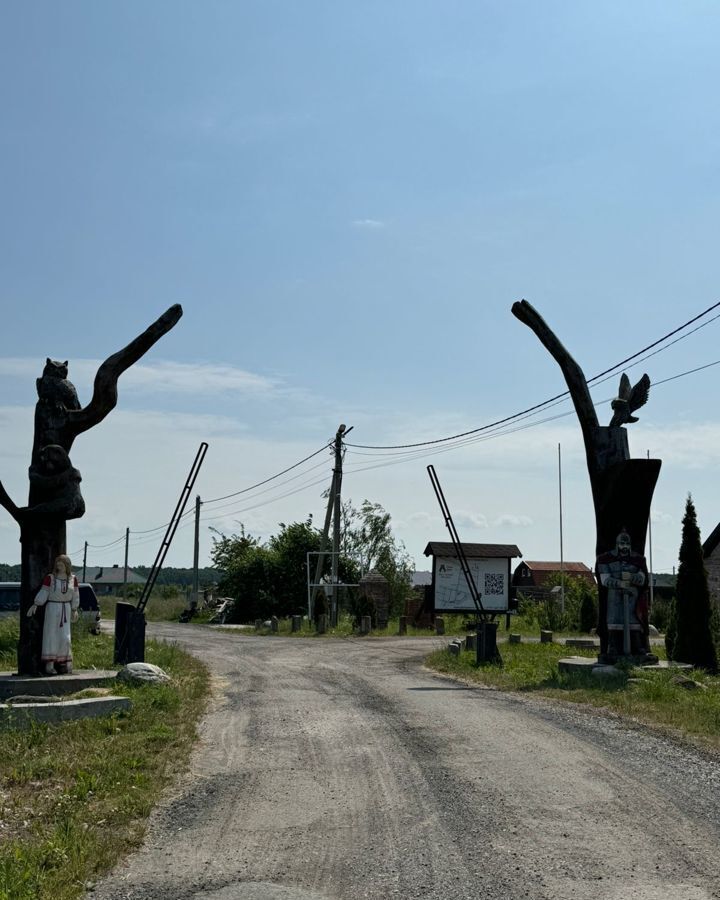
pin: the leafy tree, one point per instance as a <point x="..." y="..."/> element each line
<point x="693" y="641"/>
<point x="368" y="542"/>
<point x="271" y="578"/>
<point x="671" y="630"/>
<point x="581" y="604"/>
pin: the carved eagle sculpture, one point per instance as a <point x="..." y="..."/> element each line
<point x="628" y="400"/>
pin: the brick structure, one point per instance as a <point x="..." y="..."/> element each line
<point x="374" y="588"/>
<point x="711" y="554"/>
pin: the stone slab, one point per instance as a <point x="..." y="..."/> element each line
<point x="53" y="685"/>
<point x="19" y="715"/>
<point x="665" y="664"/>
<point x="583" y="643"/>
<point x="590" y="664"/>
<point x="577" y="664"/>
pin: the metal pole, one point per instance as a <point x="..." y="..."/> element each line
<point x="307" y="566"/>
<point x="196" y="554"/>
<point x="84" y="560"/>
<point x="562" y="562"/>
<point x="337" y="484"/>
<point x="127" y="546"/>
<point x="651" y="579"/>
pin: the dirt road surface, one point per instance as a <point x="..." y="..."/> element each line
<point x="343" y="769"/>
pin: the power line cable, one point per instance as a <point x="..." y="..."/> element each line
<point x="272" y="477"/>
<point x="545" y="403"/>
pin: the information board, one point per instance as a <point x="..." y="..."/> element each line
<point x="492" y="577"/>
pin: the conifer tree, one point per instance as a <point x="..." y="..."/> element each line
<point x="693" y="639"/>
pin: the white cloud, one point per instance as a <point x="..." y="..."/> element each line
<point x="657" y="516"/>
<point x="514" y="521"/>
<point x="470" y="520"/>
<point x="420" y="518"/>
<point x="157" y="377"/>
<point x="368" y="223"/>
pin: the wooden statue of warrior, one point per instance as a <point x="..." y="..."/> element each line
<point x="623" y="580"/>
<point x="55" y="496"/>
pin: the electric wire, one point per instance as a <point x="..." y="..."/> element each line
<point x="418" y="450"/>
<point x="272" y="477"/>
<point x="545" y="403"/>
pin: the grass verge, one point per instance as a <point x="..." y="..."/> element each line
<point x="653" y="698"/>
<point x="75" y="796"/>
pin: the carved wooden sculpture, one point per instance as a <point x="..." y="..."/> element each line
<point x="622" y="488"/>
<point x="54" y="484"/>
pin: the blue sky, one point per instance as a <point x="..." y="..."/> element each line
<point x="347" y="199"/>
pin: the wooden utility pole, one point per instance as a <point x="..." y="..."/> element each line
<point x="323" y="545"/>
<point x="337" y="491"/>
<point x="84" y="560"/>
<point x="127" y="547"/>
<point x="196" y="554"/>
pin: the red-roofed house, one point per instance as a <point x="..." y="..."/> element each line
<point x="530" y="576"/>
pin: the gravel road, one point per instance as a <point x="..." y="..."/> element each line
<point x="343" y="769"/>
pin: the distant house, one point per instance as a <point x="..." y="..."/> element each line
<point x="664" y="585"/>
<point x="530" y="576"/>
<point x="109" y="580"/>
<point x="421" y="578"/>
<point x="711" y="555"/>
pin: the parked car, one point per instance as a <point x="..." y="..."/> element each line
<point x="9" y="598"/>
<point x="89" y="607"/>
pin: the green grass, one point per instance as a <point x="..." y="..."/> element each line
<point x="455" y="625"/>
<point x="75" y="796"/>
<point x="158" y="609"/>
<point x="649" y="697"/>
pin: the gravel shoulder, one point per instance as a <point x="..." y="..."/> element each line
<point x="344" y="769"/>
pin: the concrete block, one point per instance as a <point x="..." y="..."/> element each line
<point x="53" y="685"/>
<point x="514" y="638"/>
<point x="21" y="715"/>
<point x="546" y="637"/>
<point x="439" y="625"/>
<point x="402" y="625"/>
<point x="365" y="624"/>
<point x="296" y="623"/>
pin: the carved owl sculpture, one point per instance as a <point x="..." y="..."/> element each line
<point x="628" y="400"/>
<point x="54" y="388"/>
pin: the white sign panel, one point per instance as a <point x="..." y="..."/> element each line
<point x="451" y="591"/>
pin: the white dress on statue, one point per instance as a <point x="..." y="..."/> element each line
<point x="61" y="597"/>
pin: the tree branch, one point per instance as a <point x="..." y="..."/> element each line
<point x="574" y="376"/>
<point x="7" y="504"/>
<point x="104" y="398"/>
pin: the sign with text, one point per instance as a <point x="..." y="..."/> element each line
<point x="492" y="577"/>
